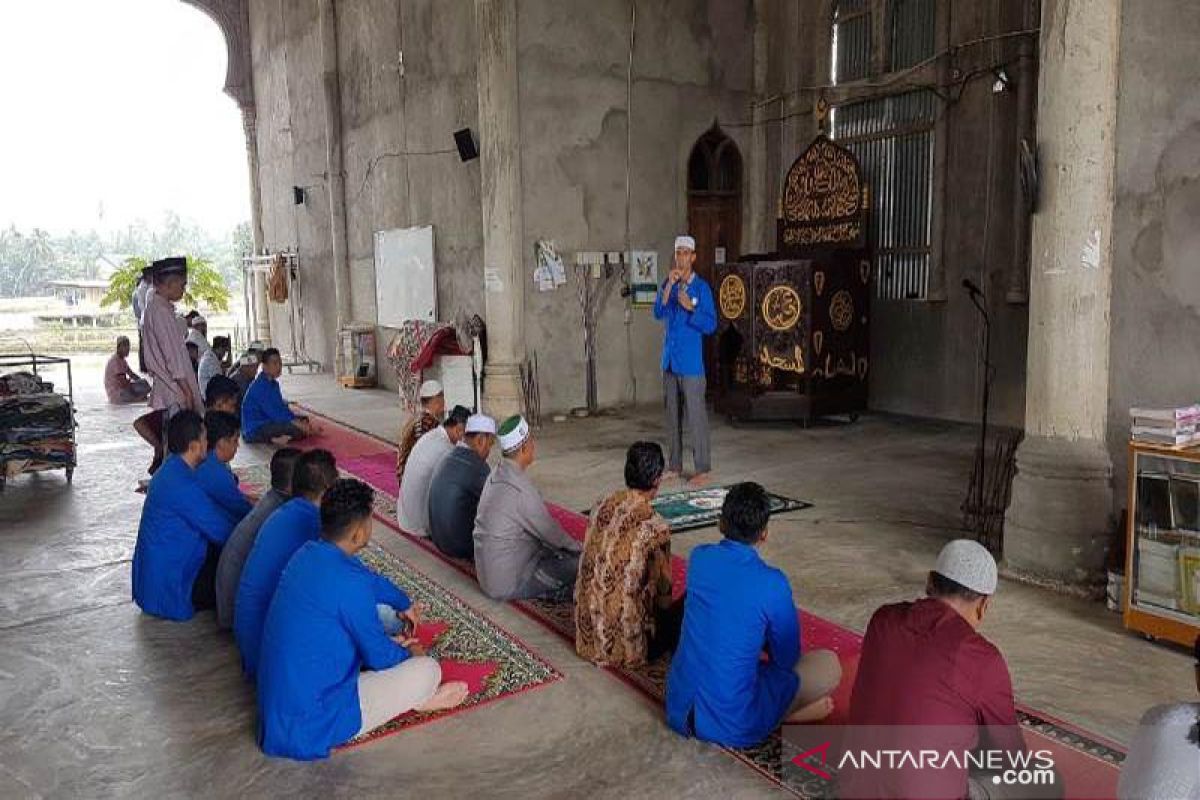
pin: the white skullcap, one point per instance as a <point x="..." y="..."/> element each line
<point x="430" y="389"/>
<point x="685" y="243"/>
<point x="513" y="433"/>
<point x="969" y="564"/>
<point x="481" y="423"/>
<point x="248" y="360"/>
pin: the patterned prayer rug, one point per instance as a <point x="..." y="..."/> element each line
<point x="494" y="663"/>
<point x="1089" y="764"/>
<point x="688" y="509"/>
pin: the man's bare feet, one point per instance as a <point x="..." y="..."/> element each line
<point x="698" y="480"/>
<point x="813" y="712"/>
<point x="448" y="695"/>
<point x="281" y="441"/>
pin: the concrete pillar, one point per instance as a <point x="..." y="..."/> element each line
<point x="335" y="176"/>
<point x="761" y="208"/>
<point x="260" y="316"/>
<point x="503" y="222"/>
<point x="1058" y="521"/>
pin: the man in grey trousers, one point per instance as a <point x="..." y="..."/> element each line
<point x="685" y="305"/>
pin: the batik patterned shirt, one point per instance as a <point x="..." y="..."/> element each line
<point x="624" y="575"/>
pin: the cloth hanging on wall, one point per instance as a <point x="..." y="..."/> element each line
<point x="277" y="280"/>
<point x="412" y="350"/>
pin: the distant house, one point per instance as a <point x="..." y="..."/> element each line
<point x="81" y="300"/>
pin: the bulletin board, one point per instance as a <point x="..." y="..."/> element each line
<point x="405" y="276"/>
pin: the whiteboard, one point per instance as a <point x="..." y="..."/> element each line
<point x="405" y="276"/>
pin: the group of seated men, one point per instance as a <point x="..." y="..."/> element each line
<point x="331" y="644"/>
<point x="306" y="614"/>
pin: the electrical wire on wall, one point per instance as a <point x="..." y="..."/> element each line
<point x="628" y="199"/>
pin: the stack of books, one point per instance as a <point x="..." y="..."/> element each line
<point x="1175" y="427"/>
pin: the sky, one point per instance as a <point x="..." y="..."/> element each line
<point x="114" y="111"/>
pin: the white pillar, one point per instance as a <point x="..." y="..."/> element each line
<point x="503" y="223"/>
<point x="1060" y="514"/>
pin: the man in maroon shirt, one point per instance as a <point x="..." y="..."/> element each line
<point x="928" y="681"/>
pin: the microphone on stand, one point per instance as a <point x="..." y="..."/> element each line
<point x="970" y="286"/>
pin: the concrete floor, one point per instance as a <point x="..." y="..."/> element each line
<point x="97" y="700"/>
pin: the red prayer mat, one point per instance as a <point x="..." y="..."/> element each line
<point x="1089" y="764"/>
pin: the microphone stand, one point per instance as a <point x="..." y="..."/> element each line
<point x="977" y="299"/>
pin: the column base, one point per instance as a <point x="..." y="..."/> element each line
<point x="1057" y="526"/>
<point x="502" y="395"/>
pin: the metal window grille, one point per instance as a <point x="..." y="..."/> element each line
<point x="851" y="40"/>
<point x="914" y="30"/>
<point x="893" y="139"/>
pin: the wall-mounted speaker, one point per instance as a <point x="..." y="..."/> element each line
<point x="465" y="143"/>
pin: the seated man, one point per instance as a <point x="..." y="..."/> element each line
<point x="323" y="627"/>
<point x="198" y="332"/>
<point x="433" y="408"/>
<point x="738" y="672"/>
<point x="121" y="384"/>
<point x="457" y="484"/>
<point x="237" y="547"/>
<point x="295" y="522"/>
<point x="265" y="415"/>
<point x="624" y="616"/>
<point x="245" y="371"/>
<point x="412" y="510"/>
<point x="214" y="475"/>
<point x="1164" y="759"/>
<point x="193" y="355"/>
<point x="210" y="362"/>
<point x="520" y="550"/>
<point x="181" y="532"/>
<point x="925" y="664"/>
<point x="221" y="394"/>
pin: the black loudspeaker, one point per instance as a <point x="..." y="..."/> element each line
<point x="465" y="142"/>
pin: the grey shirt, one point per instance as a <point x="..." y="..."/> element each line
<point x="1164" y="758"/>
<point x="237" y="550"/>
<point x="453" y="500"/>
<point x="512" y="531"/>
<point x="427" y="453"/>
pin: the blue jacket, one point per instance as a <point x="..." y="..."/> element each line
<point x="287" y="529"/>
<point x="221" y="485"/>
<point x="263" y="403"/>
<point x="683" y="352"/>
<point x="737" y="606"/>
<point x="322" y="628"/>
<point x="178" y="522"/>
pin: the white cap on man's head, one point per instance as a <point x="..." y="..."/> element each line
<point x="481" y="423"/>
<point x="685" y="243"/>
<point x="513" y="433"/>
<point x="430" y="389"/>
<point x="969" y="564"/>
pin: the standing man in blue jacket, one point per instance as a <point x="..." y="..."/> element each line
<point x="685" y="305"/>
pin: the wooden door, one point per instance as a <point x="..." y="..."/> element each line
<point x="715" y="221"/>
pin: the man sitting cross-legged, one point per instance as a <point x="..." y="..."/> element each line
<point x="181" y="532"/>
<point x="323" y="627"/>
<point x="237" y="547"/>
<point x="520" y="550"/>
<point x="738" y="672"/>
<point x="214" y="474"/>
<point x="266" y="417"/>
<point x="295" y="522"/>
<point x="624" y="616"/>
<point x="211" y="361"/>
<point x="121" y="383"/>
<point x="929" y="681"/>
<point x="457" y="484"/>
<point x="412" y="510"/>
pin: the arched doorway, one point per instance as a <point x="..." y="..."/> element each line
<point x="714" y="213"/>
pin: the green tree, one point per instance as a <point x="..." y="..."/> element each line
<point x="205" y="285"/>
